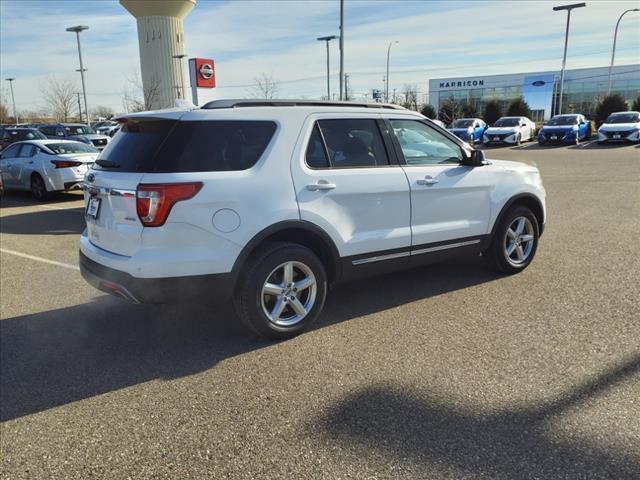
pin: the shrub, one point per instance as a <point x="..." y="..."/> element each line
<point x="492" y="111"/>
<point x="636" y="105"/>
<point x="519" y="108"/>
<point x="469" y="110"/>
<point x="428" y="111"/>
<point x="449" y="111"/>
<point x="608" y="105"/>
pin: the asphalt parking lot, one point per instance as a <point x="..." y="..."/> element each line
<point x="447" y="372"/>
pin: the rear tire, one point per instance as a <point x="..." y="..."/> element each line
<point x="38" y="188"/>
<point x="515" y="241"/>
<point x="282" y="290"/>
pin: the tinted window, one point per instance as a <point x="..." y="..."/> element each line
<point x="162" y="146"/>
<point x="28" y="150"/>
<point x="623" y="118"/>
<point x="316" y="154"/>
<point x="71" y="147"/>
<point x="462" y="123"/>
<point x="507" y="122"/>
<point x="423" y="145"/>
<point x="353" y="143"/>
<point x="11" y="152"/>
<point x="561" y="120"/>
<point x="78" y="130"/>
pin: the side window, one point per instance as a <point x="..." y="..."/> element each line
<point x="353" y="143"/>
<point x="28" y="150"/>
<point x="423" y="145"/>
<point x="316" y="155"/>
<point x="11" y="152"/>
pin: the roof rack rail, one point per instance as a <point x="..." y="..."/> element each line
<point x="218" y="104"/>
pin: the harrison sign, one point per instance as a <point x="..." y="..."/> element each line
<point x="462" y="83"/>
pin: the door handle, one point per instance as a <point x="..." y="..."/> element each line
<point x="428" y="180"/>
<point x="321" y="185"/>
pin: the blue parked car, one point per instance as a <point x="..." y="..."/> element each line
<point x="469" y="129"/>
<point x="569" y="128"/>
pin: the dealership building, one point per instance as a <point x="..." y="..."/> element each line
<point x="583" y="88"/>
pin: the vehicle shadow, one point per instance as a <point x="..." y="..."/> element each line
<point x="68" y="221"/>
<point x="512" y="443"/>
<point x="17" y="198"/>
<point x="61" y="356"/>
<point x="595" y="145"/>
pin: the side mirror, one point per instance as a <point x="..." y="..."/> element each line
<point x="476" y="159"/>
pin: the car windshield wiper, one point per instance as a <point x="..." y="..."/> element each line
<point x="108" y="164"/>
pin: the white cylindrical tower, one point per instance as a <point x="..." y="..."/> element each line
<point x="161" y="39"/>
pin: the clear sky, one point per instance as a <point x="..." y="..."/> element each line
<point x="246" y="38"/>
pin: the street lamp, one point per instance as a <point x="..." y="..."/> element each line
<point x="77" y="29"/>
<point x="13" y="99"/>
<point x="615" y="36"/>
<point x="327" y="39"/>
<point x="341" y="46"/>
<point x="386" y="85"/>
<point x="180" y="56"/>
<point x="568" y="8"/>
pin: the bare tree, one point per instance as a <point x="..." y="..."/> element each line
<point x="410" y="97"/>
<point x="265" y="87"/>
<point x="138" y="97"/>
<point x="60" y="97"/>
<point x="103" y="111"/>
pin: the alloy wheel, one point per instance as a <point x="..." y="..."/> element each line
<point x="519" y="241"/>
<point x="289" y="293"/>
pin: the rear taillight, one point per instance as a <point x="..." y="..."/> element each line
<point x="65" y="163"/>
<point x="155" y="200"/>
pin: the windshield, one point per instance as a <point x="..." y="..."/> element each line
<point x="623" y="118"/>
<point x="71" y="147"/>
<point x="507" y="122"/>
<point x="31" y="134"/>
<point x="462" y="123"/>
<point x="78" y="130"/>
<point x="563" y="121"/>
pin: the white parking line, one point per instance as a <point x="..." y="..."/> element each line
<point x="39" y="259"/>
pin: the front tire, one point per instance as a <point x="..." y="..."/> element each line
<point x="518" y="140"/>
<point x="38" y="188"/>
<point x="282" y="290"/>
<point x="515" y="241"/>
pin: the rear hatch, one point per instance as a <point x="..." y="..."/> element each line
<point x="110" y="187"/>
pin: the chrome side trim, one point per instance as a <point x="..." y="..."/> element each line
<point x="120" y="192"/>
<point x="420" y="251"/>
<point x="444" y="247"/>
<point x="380" y="258"/>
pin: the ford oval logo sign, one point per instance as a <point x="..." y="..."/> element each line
<point x="538" y="83"/>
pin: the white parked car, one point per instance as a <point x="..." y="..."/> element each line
<point x="510" y="130"/>
<point x="46" y="166"/>
<point x="620" y="127"/>
<point x="269" y="203"/>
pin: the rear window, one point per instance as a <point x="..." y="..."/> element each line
<point x="167" y="146"/>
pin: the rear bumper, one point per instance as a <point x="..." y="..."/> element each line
<point x="155" y="290"/>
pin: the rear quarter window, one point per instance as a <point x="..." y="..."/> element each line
<point x="168" y="146"/>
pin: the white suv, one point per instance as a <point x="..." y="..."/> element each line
<point x="268" y="203"/>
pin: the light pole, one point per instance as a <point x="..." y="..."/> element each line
<point x="327" y="39"/>
<point x="568" y="8"/>
<point x="13" y="99"/>
<point x="615" y="37"/>
<point x="341" y="45"/>
<point x="180" y="56"/>
<point x="386" y="85"/>
<point x="77" y="29"/>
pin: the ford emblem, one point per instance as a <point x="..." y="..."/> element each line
<point x="538" y="83"/>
